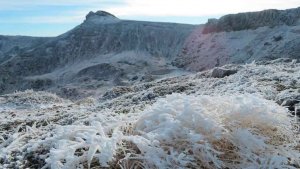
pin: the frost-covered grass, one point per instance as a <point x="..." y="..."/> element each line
<point x="178" y="131"/>
<point x="30" y="98"/>
<point x="214" y="123"/>
<point x="218" y="132"/>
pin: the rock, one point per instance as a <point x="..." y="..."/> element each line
<point x="277" y="38"/>
<point x="100" y="14"/>
<point x="134" y="78"/>
<point x="149" y="96"/>
<point x="290" y="103"/>
<point x="101" y="17"/>
<point x="289" y="99"/>
<point x="267" y="44"/>
<point x="297" y="109"/>
<point x="147" y="78"/>
<point x="222" y="72"/>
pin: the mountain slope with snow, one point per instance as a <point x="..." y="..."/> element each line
<point x="121" y="49"/>
<point x="243" y="38"/>
<point x="105" y="51"/>
<point x="13" y="45"/>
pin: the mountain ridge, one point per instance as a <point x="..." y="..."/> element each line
<point x="133" y="50"/>
<point x="253" y="20"/>
<point x="243" y="38"/>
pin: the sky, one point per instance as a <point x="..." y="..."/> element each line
<point x="54" y="17"/>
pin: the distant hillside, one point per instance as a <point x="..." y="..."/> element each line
<point x="253" y="20"/>
<point x="12" y="45"/>
<point x="122" y="51"/>
<point x="243" y="38"/>
<point x="105" y="51"/>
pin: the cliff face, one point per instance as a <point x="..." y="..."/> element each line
<point x="243" y="38"/>
<point x="253" y="20"/>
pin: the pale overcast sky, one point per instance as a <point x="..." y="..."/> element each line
<point x="53" y="17"/>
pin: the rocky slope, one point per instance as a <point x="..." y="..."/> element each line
<point x="243" y="38"/>
<point x="125" y="51"/>
<point x="13" y="45"/>
<point x="253" y="20"/>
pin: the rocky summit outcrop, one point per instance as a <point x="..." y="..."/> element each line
<point x="99" y="14"/>
<point x="129" y="49"/>
<point x="101" y="17"/>
<point x="253" y="20"/>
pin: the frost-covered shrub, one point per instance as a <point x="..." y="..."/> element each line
<point x="216" y="132"/>
<point x="182" y="131"/>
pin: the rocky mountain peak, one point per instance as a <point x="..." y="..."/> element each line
<point x="101" y="17"/>
<point x="99" y="14"/>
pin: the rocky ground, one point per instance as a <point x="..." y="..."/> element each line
<point x="35" y="126"/>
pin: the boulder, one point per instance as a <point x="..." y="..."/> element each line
<point x="290" y="99"/>
<point x="222" y="72"/>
